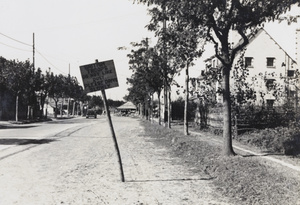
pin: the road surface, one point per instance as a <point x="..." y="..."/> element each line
<point x="74" y="162"/>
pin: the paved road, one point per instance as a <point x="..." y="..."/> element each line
<point x="74" y="162"/>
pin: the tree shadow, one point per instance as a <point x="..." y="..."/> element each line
<point x="15" y="127"/>
<point x="22" y="141"/>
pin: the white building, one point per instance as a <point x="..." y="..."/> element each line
<point x="270" y="68"/>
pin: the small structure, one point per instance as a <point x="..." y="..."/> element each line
<point x="127" y="108"/>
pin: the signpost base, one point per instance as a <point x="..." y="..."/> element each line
<point x="113" y="134"/>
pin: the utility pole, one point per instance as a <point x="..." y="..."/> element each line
<point x="68" y="107"/>
<point x="33" y="56"/>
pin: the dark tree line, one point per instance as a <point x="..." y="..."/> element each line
<point x="24" y="89"/>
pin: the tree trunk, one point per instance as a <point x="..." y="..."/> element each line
<point x="151" y="109"/>
<point x="68" y="107"/>
<point x="147" y="107"/>
<point x="61" y="108"/>
<point x="17" y="108"/>
<point x="169" y="108"/>
<point x="81" y="108"/>
<point x="165" y="107"/>
<point x="186" y="101"/>
<point x="46" y="113"/>
<point x="159" y="108"/>
<point x="55" y="111"/>
<point x="28" y="112"/>
<point x="227" y="129"/>
<point x="74" y="104"/>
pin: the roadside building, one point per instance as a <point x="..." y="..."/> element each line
<point x="269" y="69"/>
<point x="127" y="108"/>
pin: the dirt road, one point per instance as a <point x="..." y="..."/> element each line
<point x="79" y="166"/>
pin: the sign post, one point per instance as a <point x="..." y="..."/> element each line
<point x="101" y="76"/>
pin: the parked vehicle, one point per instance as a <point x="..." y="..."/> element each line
<point x="91" y="113"/>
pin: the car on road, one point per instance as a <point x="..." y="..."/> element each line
<point x="91" y="113"/>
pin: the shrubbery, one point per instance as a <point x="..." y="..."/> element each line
<point x="282" y="140"/>
<point x="273" y="131"/>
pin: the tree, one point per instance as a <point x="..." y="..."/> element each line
<point x="184" y="48"/>
<point x="203" y="90"/>
<point x="218" y="18"/>
<point x="15" y="75"/>
<point x="156" y="78"/>
<point x="147" y="76"/>
<point x="96" y="101"/>
<point x="56" y="89"/>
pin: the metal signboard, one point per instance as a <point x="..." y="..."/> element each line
<point x="99" y="76"/>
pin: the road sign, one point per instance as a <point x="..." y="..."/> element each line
<point x="99" y="76"/>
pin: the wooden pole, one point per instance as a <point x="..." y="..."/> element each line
<point x="113" y="134"/>
<point x="33" y="50"/>
<point x="112" y="129"/>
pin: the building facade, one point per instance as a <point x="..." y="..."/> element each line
<point x="268" y="69"/>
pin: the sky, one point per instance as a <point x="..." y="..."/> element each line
<point x="71" y="33"/>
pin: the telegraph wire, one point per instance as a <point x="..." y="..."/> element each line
<point x="53" y="57"/>
<point x="15" y="47"/>
<point x="37" y="52"/>
<point x="50" y="62"/>
<point x="15" y="40"/>
<point x="27" y="50"/>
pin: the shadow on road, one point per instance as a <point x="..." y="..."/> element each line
<point x="22" y="141"/>
<point x="15" y="127"/>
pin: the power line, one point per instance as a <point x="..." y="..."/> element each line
<point x="15" y="40"/>
<point x="53" y="57"/>
<point x="28" y="50"/>
<point x="15" y="47"/>
<point x="50" y="62"/>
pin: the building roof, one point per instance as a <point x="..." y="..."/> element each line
<point x="251" y="37"/>
<point x="127" y="106"/>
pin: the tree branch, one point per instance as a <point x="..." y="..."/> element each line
<point x="241" y="46"/>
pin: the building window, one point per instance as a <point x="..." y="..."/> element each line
<point x="248" y="62"/>
<point x="271" y="62"/>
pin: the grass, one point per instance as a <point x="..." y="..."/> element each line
<point x="245" y="180"/>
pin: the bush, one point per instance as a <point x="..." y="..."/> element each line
<point x="281" y="140"/>
<point x="178" y="109"/>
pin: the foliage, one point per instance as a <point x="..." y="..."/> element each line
<point x="95" y="101"/>
<point x="205" y="98"/>
<point x="115" y="103"/>
<point x="178" y="109"/>
<point x="214" y="21"/>
<point x="242" y="91"/>
<point x="146" y="79"/>
<point x="281" y="140"/>
<point x="21" y="80"/>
